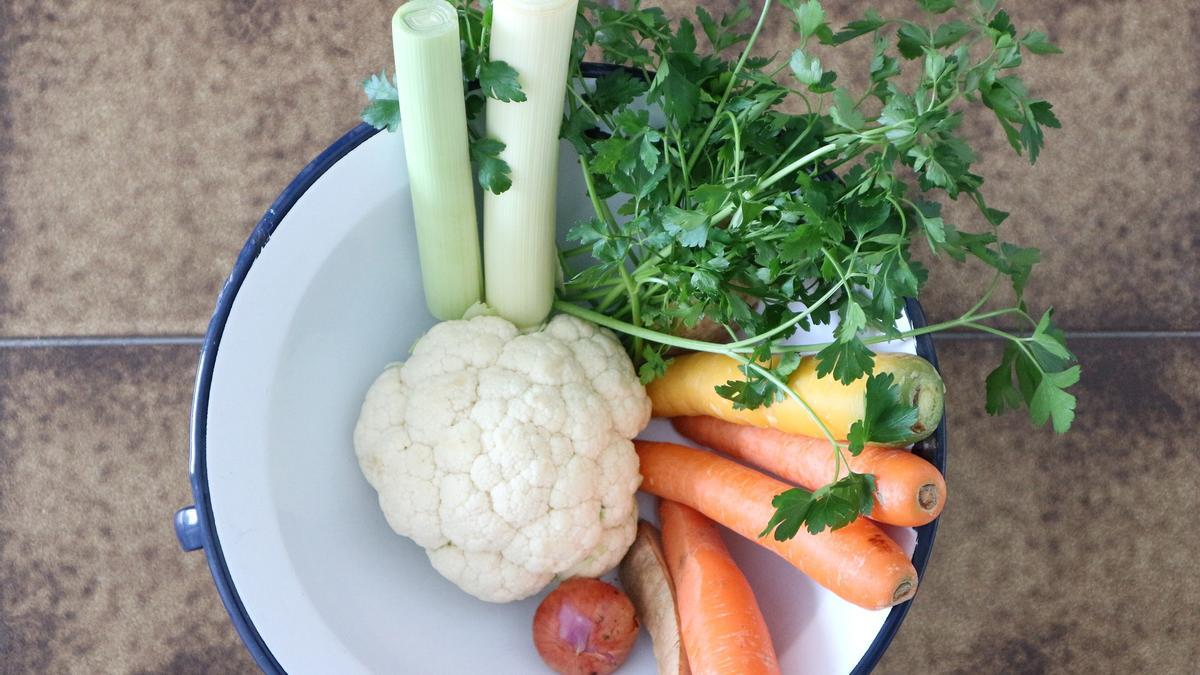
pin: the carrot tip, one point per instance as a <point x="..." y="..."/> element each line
<point x="904" y="591"/>
<point x="927" y="497"/>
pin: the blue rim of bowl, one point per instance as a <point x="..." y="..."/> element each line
<point x="932" y="449"/>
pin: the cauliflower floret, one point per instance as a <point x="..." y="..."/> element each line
<point x="508" y="457"/>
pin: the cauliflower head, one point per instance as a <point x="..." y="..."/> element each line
<point x="508" y="456"/>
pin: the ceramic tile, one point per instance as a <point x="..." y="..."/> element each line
<point x="93" y="462"/>
<point x="1074" y="554"/>
<point x="141" y="142"/>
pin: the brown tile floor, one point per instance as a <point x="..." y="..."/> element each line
<point x="93" y="457"/>
<point x="139" y="142"/>
<point x="1071" y="554"/>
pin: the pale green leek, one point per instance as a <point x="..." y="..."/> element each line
<point x="433" y="121"/>
<point x="534" y="37"/>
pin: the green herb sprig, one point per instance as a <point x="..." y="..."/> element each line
<point x="482" y="79"/>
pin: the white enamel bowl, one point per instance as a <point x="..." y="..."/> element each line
<point x="324" y="294"/>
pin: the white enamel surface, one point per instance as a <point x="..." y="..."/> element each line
<point x="333" y="297"/>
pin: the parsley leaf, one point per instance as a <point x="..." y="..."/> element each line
<point x="949" y="33"/>
<point x="383" y="107"/>
<point x="380" y="86"/>
<point x="653" y="365"/>
<point x="690" y="228"/>
<point x="791" y="510"/>
<point x="846" y="360"/>
<point x="1001" y="394"/>
<point x="886" y="418"/>
<point x="757" y="390"/>
<point x="492" y="172"/>
<point x="675" y="92"/>
<point x="1037" y="43"/>
<point x="809" y="16"/>
<point x="831" y="507"/>
<point x="870" y="22"/>
<point x="498" y="80"/>
<point x="616" y="90"/>
<point x="913" y="39"/>
<point x="844" y="112"/>
<point x="752" y="392"/>
<point x="936" y="6"/>
<point x="1041" y="367"/>
<point x="807" y="69"/>
<point x="1051" y="402"/>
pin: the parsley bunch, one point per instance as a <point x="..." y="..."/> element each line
<point x="732" y="210"/>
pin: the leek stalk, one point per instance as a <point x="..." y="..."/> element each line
<point x="534" y="37"/>
<point x="433" y="121"/>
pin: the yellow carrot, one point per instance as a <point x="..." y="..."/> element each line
<point x="688" y="388"/>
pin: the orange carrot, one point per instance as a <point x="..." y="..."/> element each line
<point x="857" y="562"/>
<point x="908" y="490"/>
<point x="723" y="629"/>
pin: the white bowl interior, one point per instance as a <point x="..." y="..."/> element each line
<point x="333" y="297"/>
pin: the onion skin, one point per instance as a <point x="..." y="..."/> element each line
<point x="585" y="627"/>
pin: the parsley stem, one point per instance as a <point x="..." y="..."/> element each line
<point x="737" y="144"/>
<point x="583" y="104"/>
<point x="812" y="124"/>
<point x="903" y="218"/>
<point x="638" y="331"/>
<point x="686" y="168"/>
<point x="1018" y="342"/>
<point x="702" y="144"/>
<point x="635" y="310"/>
<point x="647" y="263"/>
<point x="807" y="159"/>
<point x="598" y="204"/>
<point x="588" y="294"/>
<point x="695" y="345"/>
<point x="931" y="328"/>
<point x="666" y="141"/>
<point x="837" y="267"/>
<point x="576" y="251"/>
<point x="790" y="393"/>
<point x="986" y="295"/>
<point x="795" y="319"/>
<point x="775" y="178"/>
<point x="464" y="11"/>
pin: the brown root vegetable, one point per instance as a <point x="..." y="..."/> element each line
<point x="646" y="579"/>
<point x="705" y="330"/>
<point x="585" y="627"/>
<point x="708" y="330"/>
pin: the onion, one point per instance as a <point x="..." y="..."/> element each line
<point x="585" y="627"/>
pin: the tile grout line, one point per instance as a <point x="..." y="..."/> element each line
<point x="85" y="341"/>
<point x="101" y="341"/>
<point x="1085" y="335"/>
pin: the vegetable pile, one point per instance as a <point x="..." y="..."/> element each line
<point x="729" y="212"/>
<point x="738" y="200"/>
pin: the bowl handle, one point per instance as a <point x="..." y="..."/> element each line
<point x="187" y="529"/>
